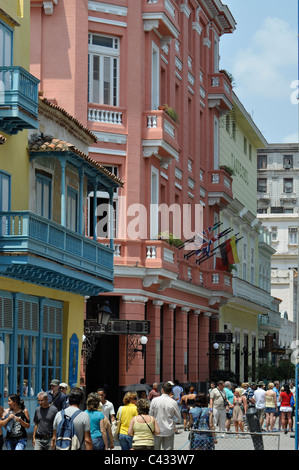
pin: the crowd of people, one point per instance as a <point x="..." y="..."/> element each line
<point x="275" y="405"/>
<point x="147" y="421"/>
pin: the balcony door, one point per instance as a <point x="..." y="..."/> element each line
<point x="43" y="195"/>
<point x="155" y="101"/>
<point x="72" y="210"/>
<point x="6" y="45"/>
<point x="103" y="58"/>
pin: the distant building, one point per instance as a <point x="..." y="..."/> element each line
<point x="243" y="313"/>
<point x="278" y="197"/>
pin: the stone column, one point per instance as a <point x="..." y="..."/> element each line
<point x="193" y="347"/>
<point x="168" y="339"/>
<point x="132" y="307"/>
<point x="181" y="344"/>
<point x="203" y="346"/>
<point x="153" y="351"/>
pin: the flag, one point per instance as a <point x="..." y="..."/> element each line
<point x="220" y="265"/>
<point x="234" y="250"/>
<point x="229" y="253"/>
<point x="204" y="240"/>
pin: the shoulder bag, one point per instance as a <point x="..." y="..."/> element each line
<point x="115" y="426"/>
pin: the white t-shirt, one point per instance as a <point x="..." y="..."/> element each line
<point x="108" y="409"/>
<point x="166" y="411"/>
<point x="259" y="396"/>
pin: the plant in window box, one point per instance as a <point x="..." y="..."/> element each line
<point x="170" y="239"/>
<point x="171" y="112"/>
<point x="228" y="169"/>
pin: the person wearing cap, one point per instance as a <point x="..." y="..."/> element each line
<point x="55" y="395"/>
<point x="63" y="388"/>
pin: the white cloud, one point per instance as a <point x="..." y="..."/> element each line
<point x="291" y="138"/>
<point x="262" y="69"/>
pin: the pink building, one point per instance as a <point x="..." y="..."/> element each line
<point x="112" y="65"/>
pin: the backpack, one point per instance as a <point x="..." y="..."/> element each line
<point x="66" y="435"/>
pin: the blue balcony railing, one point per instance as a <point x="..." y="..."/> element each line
<point x="18" y="100"/>
<point x="23" y="232"/>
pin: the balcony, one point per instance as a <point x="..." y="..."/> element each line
<point x="162" y="15"/>
<point x="219" y="187"/>
<point x="160" y="136"/>
<point x="220" y="281"/>
<point x="19" y="100"/>
<point x="253" y="294"/>
<point x="288" y="197"/>
<point x="220" y="92"/>
<point x="270" y="322"/>
<point x="106" y="118"/>
<point x="38" y="250"/>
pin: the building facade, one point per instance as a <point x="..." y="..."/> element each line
<point x="278" y="210"/>
<point x="114" y="69"/>
<point x="251" y="313"/>
<point x="47" y="266"/>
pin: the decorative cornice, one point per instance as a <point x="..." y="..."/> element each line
<point x="134" y="298"/>
<point x="157" y="303"/>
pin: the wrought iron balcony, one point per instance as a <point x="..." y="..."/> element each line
<point x="18" y="100"/>
<point x="38" y="250"/>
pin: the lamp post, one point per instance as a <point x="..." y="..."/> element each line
<point x="104" y="314"/>
<point x="95" y="327"/>
<point x="143" y="342"/>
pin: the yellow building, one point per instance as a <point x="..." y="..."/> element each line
<point x="239" y="140"/>
<point x="47" y="265"/>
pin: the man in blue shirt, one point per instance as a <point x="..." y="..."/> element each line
<point x="55" y="396"/>
<point x="177" y="393"/>
<point x="230" y="397"/>
<point x="276" y="389"/>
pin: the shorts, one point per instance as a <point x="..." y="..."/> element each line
<point x="261" y="413"/>
<point x="270" y="410"/>
<point x="286" y="409"/>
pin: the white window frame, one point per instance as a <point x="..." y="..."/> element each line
<point x="6" y="45"/>
<point x="154" y="208"/>
<point x="293" y="236"/>
<point x="103" y="53"/>
<point x="216" y="143"/>
<point x="105" y="196"/>
<point x="155" y="77"/>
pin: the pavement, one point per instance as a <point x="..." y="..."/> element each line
<point x="228" y="441"/>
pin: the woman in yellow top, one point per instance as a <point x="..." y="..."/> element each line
<point x="143" y="427"/>
<point x="125" y="414"/>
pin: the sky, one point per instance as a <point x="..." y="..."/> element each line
<point x="262" y="56"/>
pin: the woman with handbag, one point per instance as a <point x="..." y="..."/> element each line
<point x="201" y="421"/>
<point x="143" y="427"/>
<point x="239" y="410"/>
<point x="124" y="415"/>
<point x="97" y="426"/>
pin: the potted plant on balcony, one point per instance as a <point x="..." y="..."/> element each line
<point x="228" y="169"/>
<point x="170" y="239"/>
<point x="171" y="112"/>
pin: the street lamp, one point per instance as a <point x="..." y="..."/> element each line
<point x="143" y="342"/>
<point x="95" y="327"/>
<point x="104" y="314"/>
